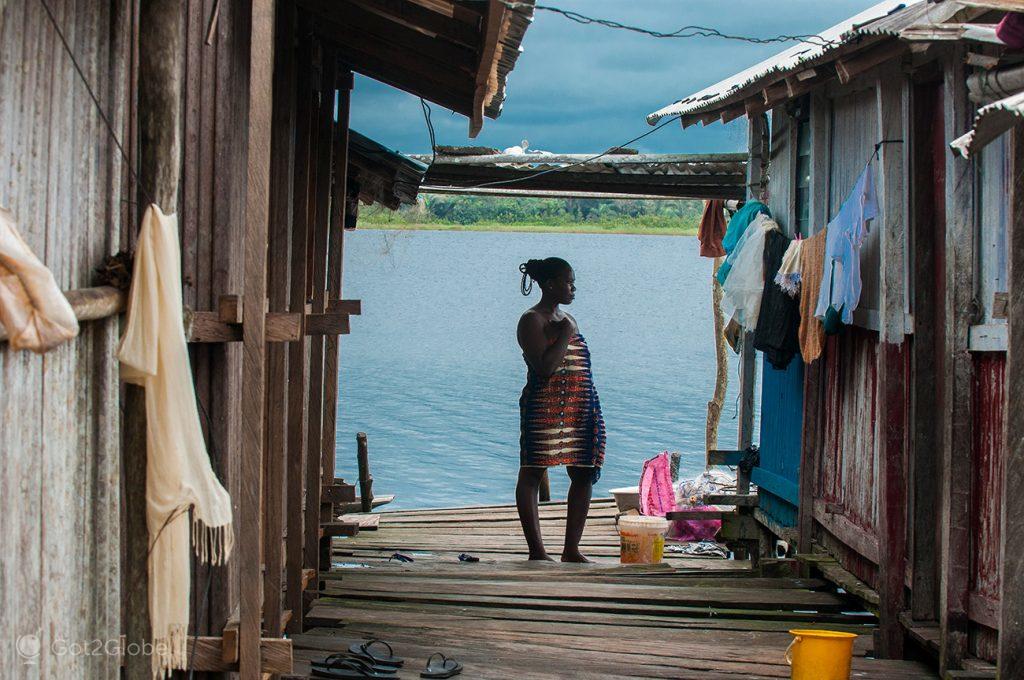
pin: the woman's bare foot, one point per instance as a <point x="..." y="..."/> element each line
<point x="575" y="556"/>
<point x="542" y="557"/>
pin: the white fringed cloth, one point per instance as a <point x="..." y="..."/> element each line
<point x="33" y="310"/>
<point x="154" y="354"/>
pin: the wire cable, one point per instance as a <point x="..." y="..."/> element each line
<point x="684" y="32"/>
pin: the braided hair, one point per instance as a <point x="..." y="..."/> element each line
<point x="540" y="271"/>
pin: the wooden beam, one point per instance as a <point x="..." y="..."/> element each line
<point x="161" y="31"/>
<point x="298" y="367"/>
<point x="485" y="86"/>
<point x="344" y="306"/>
<point x="206" y="327"/>
<point x="848" y="69"/>
<point x="957" y="373"/>
<point x="257" y="204"/>
<point x="425" y="20"/>
<point x="205" y="654"/>
<point x="892" y="92"/>
<point x="1011" y="631"/>
<point x="90" y="304"/>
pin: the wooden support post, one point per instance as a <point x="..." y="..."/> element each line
<point x="161" y="50"/>
<point x="295" y="560"/>
<point x="365" y="478"/>
<point x="957" y="374"/>
<point x="892" y="90"/>
<point x="1011" y="630"/>
<point x="757" y="139"/>
<point x="335" y="268"/>
<point x="282" y="143"/>
<point x="257" y="206"/>
<point x="814" y="374"/>
<point x="929" y="152"/>
<point x="323" y="159"/>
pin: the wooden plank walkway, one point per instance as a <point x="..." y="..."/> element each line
<point x="504" y="617"/>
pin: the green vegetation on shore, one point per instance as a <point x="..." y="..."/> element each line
<point x="570" y="215"/>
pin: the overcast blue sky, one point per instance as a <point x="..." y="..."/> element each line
<point x="583" y="89"/>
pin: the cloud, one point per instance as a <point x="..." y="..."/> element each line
<point x="581" y="88"/>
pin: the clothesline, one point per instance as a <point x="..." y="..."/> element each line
<point x="773" y="285"/>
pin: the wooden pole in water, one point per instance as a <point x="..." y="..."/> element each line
<point x="365" y="478"/>
<point x="722" y="363"/>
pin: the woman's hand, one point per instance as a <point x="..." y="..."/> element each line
<point x="566" y="327"/>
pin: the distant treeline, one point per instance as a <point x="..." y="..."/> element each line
<point x="555" y="212"/>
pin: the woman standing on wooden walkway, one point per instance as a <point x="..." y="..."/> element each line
<point x="560" y="414"/>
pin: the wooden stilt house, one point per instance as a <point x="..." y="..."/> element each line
<point x="234" y="116"/>
<point x="890" y="461"/>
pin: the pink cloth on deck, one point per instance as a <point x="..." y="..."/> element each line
<point x="658" y="497"/>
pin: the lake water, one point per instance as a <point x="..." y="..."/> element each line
<point x="432" y="371"/>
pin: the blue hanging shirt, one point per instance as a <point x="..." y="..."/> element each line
<point x="841" y="282"/>
<point x="736" y="230"/>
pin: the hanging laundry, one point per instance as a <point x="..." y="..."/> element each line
<point x="788" y="277"/>
<point x="778" y="326"/>
<point x="738" y="227"/>
<point x="179" y="477"/>
<point x="842" y="285"/>
<point x="712" y="229"/>
<point x="741" y="292"/>
<point x="812" y="270"/>
<point x="33" y="310"/>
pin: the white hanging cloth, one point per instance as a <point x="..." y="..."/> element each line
<point x="154" y="354"/>
<point x="33" y="310"/>
<point x="741" y="292"/>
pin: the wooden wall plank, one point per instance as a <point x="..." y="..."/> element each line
<point x="260" y="103"/>
<point x="1011" y="636"/>
<point x="957" y="374"/>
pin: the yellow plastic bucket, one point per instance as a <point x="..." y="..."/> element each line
<point x="642" y="539"/>
<point x="820" y="655"/>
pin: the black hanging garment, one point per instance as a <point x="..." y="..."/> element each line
<point x="778" y="323"/>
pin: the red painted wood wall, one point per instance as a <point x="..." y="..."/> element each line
<point x="987" y="459"/>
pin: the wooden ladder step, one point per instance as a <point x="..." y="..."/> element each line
<point x="740" y="500"/>
<point x="331" y="529"/>
<point x="337" y="493"/>
<point x="307" y="576"/>
<point x="365" y="522"/>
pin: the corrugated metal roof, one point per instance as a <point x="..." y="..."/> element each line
<point x="992" y="121"/>
<point x="884" y="19"/>
<point x="664" y="175"/>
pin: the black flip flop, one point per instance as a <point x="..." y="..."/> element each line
<point x="363" y="650"/>
<point x="401" y="558"/>
<point x="334" y="660"/>
<point x="347" y="668"/>
<point x="464" y="557"/>
<point x="446" y="669"/>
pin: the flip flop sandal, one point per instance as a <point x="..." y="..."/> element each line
<point x="401" y="558"/>
<point x="364" y="651"/>
<point x="347" y="668"/>
<point x="335" y="659"/>
<point x="445" y="669"/>
<point x="464" y="557"/>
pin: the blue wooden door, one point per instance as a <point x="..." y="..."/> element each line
<point x="778" y="475"/>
